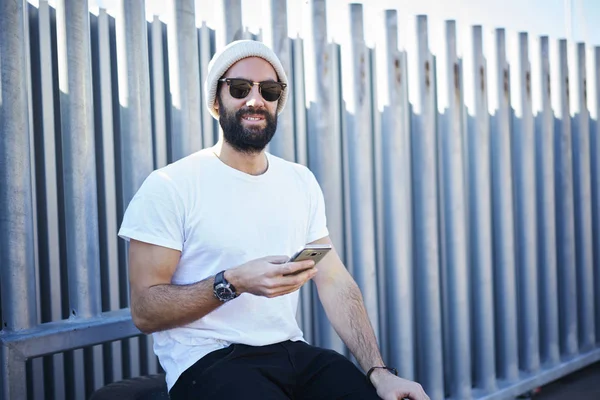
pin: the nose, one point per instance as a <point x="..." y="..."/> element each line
<point x="254" y="98"/>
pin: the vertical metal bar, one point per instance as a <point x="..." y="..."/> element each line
<point x="299" y="93"/>
<point x="157" y="80"/>
<point x="360" y="168"/>
<point x="79" y="170"/>
<point x="136" y="158"/>
<point x="441" y="124"/>
<point x="36" y="382"/>
<point x="152" y="361"/>
<point x="426" y="222"/>
<point x="523" y="151"/>
<point x="108" y="205"/>
<point x="12" y="370"/>
<point x="397" y="206"/>
<point x="503" y="222"/>
<point x="583" y="211"/>
<point x="299" y="113"/>
<point x="17" y="242"/>
<point x="232" y="22"/>
<point x="480" y="202"/>
<point x="324" y="151"/>
<point x="74" y="375"/>
<point x="377" y="122"/>
<point x="344" y="128"/>
<point x="282" y="144"/>
<point x="134" y="98"/>
<point x="36" y="363"/>
<point x="206" y="50"/>
<point x="159" y="132"/>
<point x="453" y="197"/>
<point x="546" y="216"/>
<point x="595" y="146"/>
<point x="48" y="189"/>
<point x="79" y="161"/>
<point x="184" y="81"/>
<point x="16" y="202"/>
<point x="567" y="289"/>
<point x="94" y="364"/>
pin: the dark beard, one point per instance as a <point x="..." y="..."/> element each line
<point x="246" y="140"/>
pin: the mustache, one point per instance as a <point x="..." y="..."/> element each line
<point x="250" y="111"/>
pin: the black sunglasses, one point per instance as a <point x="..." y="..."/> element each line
<point x="240" y="88"/>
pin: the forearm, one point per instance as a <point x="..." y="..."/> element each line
<point x="344" y="305"/>
<point x="168" y="306"/>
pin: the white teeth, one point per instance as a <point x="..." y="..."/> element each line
<point x="252" y="119"/>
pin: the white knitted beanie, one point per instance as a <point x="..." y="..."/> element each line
<point x="231" y="54"/>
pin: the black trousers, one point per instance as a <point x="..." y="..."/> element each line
<point x="287" y="370"/>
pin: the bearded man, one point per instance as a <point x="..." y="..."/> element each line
<point x="210" y="239"/>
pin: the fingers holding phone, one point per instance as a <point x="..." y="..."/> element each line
<point x="276" y="275"/>
<point x="295" y="268"/>
<point x="311" y="252"/>
<point x="294" y="275"/>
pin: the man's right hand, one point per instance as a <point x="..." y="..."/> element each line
<point x="270" y="276"/>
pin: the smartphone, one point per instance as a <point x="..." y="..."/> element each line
<point x="314" y="252"/>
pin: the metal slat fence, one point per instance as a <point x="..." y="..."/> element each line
<point x="474" y="234"/>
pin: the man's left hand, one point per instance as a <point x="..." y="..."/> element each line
<point x="392" y="387"/>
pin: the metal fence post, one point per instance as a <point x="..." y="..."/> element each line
<point x="523" y="154"/>
<point x="426" y="223"/>
<point x="157" y="80"/>
<point x="17" y="268"/>
<point x="135" y="139"/>
<point x="546" y="216"/>
<point x="397" y="206"/>
<point x="503" y="222"/>
<point x="282" y="144"/>
<point x="583" y="212"/>
<point x="105" y="146"/>
<point x="360" y="169"/>
<point x="45" y="117"/>
<point x="299" y="93"/>
<point x="184" y="81"/>
<point x="232" y="23"/>
<point x="453" y="199"/>
<point x="565" y="222"/>
<point x="595" y="148"/>
<point x="325" y="152"/>
<point x="134" y="98"/>
<point x="78" y="172"/>
<point x="206" y="49"/>
<point x="480" y="202"/>
<point x="79" y="161"/>
<point x="297" y="80"/>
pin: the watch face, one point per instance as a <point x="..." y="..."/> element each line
<point x="223" y="292"/>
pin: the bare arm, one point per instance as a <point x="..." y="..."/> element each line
<point x="157" y="304"/>
<point x="344" y="306"/>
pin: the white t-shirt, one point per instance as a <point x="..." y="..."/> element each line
<point x="220" y="218"/>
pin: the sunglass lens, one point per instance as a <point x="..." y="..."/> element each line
<point x="239" y="89"/>
<point x="271" y="91"/>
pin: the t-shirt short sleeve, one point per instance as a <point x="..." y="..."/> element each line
<point x="155" y="215"/>
<point x="317" y="225"/>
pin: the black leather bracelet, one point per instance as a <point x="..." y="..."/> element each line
<point x="392" y="370"/>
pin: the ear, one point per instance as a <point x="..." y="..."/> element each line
<point x="216" y="105"/>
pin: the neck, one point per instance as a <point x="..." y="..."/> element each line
<point x="249" y="163"/>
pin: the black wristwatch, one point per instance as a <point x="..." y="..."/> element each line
<point x="222" y="289"/>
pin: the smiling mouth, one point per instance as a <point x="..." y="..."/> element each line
<point x="253" y="118"/>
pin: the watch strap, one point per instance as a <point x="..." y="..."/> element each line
<point x="220" y="280"/>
